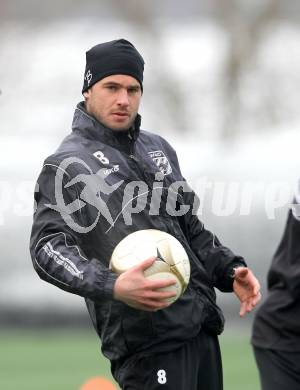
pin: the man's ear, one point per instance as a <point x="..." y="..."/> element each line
<point x="86" y="94"/>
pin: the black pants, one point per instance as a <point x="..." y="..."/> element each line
<point x="279" y="370"/>
<point x="195" y="366"/>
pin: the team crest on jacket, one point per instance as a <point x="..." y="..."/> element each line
<point x="161" y="161"/>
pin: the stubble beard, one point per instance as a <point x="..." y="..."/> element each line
<point x="117" y="128"/>
<point x="106" y="123"/>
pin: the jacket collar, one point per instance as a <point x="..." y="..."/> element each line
<point x="90" y="128"/>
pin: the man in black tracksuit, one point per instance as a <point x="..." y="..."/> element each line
<point x="276" y="329"/>
<point x="106" y="180"/>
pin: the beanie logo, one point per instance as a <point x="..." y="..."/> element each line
<point x="88" y="77"/>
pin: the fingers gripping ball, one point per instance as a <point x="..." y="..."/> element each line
<point x="172" y="260"/>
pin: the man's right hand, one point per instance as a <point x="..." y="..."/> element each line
<point x="134" y="289"/>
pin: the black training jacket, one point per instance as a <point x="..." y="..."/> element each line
<point x="277" y="322"/>
<point x="100" y="186"/>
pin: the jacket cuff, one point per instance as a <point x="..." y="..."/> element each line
<point x="229" y="275"/>
<point x="108" y="288"/>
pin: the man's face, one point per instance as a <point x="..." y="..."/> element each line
<point x="114" y="101"/>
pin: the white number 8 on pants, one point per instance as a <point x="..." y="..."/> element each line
<point x="161" y="377"/>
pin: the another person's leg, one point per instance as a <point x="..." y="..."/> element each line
<point x="278" y="370"/>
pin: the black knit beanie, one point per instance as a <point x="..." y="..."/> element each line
<point x="114" y="57"/>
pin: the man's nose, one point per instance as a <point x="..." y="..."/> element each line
<point x="123" y="98"/>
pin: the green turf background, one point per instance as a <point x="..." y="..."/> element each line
<point x="64" y="359"/>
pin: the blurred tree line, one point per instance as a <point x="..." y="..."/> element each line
<point x="246" y="25"/>
<point x="250" y="94"/>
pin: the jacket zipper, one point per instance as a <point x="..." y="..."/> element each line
<point x="132" y="157"/>
<point x="140" y="167"/>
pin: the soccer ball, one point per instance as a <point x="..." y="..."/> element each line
<point x="172" y="260"/>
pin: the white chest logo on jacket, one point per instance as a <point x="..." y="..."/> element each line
<point x="162" y="162"/>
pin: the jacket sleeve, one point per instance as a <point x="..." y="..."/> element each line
<point x="56" y="248"/>
<point x="218" y="260"/>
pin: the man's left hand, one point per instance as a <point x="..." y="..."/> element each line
<point x="246" y="288"/>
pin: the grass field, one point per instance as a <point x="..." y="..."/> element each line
<point x="64" y="359"/>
